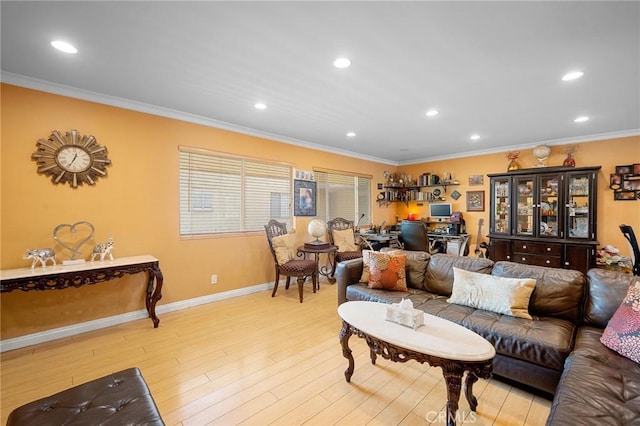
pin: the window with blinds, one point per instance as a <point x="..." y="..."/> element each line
<point x="221" y="194"/>
<point x="345" y="196"/>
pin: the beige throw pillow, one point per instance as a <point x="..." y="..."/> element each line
<point x="508" y="296"/>
<point x="283" y="247"/>
<point x="345" y="240"/>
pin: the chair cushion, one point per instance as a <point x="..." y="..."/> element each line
<point x="387" y="271"/>
<point x="508" y="296"/>
<point x="623" y="331"/>
<point x="283" y="248"/>
<point x="345" y="240"/>
<point x="341" y="256"/>
<point x="304" y="266"/>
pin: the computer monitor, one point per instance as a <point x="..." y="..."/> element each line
<point x="440" y="211"/>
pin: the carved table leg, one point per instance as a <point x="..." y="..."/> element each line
<point x="345" y="333"/>
<point x="154" y="294"/>
<point x="468" y="390"/>
<point x="452" y="372"/>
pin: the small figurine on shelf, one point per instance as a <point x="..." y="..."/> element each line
<point x="103" y="250"/>
<point x="41" y="255"/>
<point x="512" y="156"/>
<point x="569" y="150"/>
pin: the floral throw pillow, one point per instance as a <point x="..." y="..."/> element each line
<point x="623" y="330"/>
<point x="387" y="271"/>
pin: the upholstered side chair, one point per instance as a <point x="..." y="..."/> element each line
<point x="285" y="260"/>
<point x="342" y="234"/>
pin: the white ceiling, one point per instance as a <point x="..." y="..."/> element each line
<point x="491" y="68"/>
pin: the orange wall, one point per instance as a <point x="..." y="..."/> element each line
<point x="137" y="203"/>
<point x="605" y="153"/>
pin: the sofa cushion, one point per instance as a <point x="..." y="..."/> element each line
<point x="439" y="276"/>
<point x="508" y="296"/>
<point x="417" y="262"/>
<point x="597" y="387"/>
<point x="623" y="331"/>
<point x="387" y="271"/>
<point x="558" y="292"/>
<point x="361" y="291"/>
<point x="545" y="341"/>
<point x="605" y="292"/>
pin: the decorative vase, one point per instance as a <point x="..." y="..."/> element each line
<point x="569" y="161"/>
<point x="541" y="152"/>
<point x="513" y="165"/>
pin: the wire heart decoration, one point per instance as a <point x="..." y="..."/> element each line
<point x="73" y="229"/>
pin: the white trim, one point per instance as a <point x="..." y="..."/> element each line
<point x="562" y="141"/>
<point x="87" y="95"/>
<point x="83" y="327"/>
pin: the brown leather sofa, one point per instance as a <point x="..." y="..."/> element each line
<point x="558" y="351"/>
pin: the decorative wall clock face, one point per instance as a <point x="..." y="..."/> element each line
<point x="71" y="158"/>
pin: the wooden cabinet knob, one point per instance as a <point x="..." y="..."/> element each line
<point x="524" y="247"/>
<point x="548" y="248"/>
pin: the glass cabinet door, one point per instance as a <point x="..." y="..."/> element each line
<point x="525" y="199"/>
<point x="501" y="202"/>
<point x="549" y="206"/>
<point x="579" y="192"/>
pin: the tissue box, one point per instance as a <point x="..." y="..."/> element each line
<point x="413" y="318"/>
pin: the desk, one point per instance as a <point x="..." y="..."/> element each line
<point x="331" y="255"/>
<point x="57" y="277"/>
<point x="383" y="239"/>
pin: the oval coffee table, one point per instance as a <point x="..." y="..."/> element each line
<point x="440" y="343"/>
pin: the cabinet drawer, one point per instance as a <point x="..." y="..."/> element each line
<point x="538" y="259"/>
<point x="528" y="247"/>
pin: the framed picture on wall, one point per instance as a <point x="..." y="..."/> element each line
<point x="475" y="201"/>
<point x="624" y="195"/>
<point x="475" y="180"/>
<point x="304" y="198"/>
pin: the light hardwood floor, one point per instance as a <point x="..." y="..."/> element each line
<point x="257" y="360"/>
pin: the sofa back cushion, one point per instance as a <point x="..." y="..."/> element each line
<point x="605" y="292"/>
<point x="439" y="276"/>
<point x="558" y="292"/>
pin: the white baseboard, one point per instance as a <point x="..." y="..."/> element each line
<point x="72" y="330"/>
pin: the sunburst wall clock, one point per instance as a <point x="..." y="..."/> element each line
<point x="71" y="158"/>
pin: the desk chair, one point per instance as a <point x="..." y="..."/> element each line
<point x="288" y="265"/>
<point x="628" y="233"/>
<point x="413" y="235"/>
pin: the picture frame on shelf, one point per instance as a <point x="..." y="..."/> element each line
<point x="304" y="197"/>
<point x="475" y="201"/>
<point x="624" y="170"/>
<point x="475" y="180"/>
<point x="625" y="195"/>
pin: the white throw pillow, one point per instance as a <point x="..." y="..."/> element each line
<point x="283" y="247"/>
<point x="345" y="240"/>
<point x="508" y="296"/>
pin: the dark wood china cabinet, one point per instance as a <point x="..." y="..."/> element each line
<point x="544" y="216"/>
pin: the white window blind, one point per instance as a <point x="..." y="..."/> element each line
<point x="221" y="194"/>
<point x="343" y="196"/>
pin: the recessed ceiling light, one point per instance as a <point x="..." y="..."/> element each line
<point x="351" y="134"/>
<point x="474" y="137"/>
<point x="260" y="105"/>
<point x="572" y="75"/>
<point x="342" y="63"/>
<point x="64" y="46"/>
<point x="432" y="113"/>
<point x="581" y="119"/>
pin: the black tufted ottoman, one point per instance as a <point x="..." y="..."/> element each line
<point x="121" y="398"/>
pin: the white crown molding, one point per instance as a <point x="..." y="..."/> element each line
<point x="83" y="327"/>
<point x="563" y="141"/>
<point x="87" y="95"/>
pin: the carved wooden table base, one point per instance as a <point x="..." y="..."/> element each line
<point x="59" y="277"/>
<point x="451" y="369"/>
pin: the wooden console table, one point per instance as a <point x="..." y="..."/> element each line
<point x="62" y="276"/>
